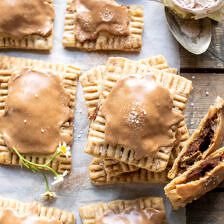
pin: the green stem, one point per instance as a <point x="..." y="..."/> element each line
<point x="37" y="167"/>
<point x="47" y="188"/>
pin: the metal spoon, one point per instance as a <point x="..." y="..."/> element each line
<point x="194" y="35"/>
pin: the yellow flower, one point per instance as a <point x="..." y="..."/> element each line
<point x="64" y="149"/>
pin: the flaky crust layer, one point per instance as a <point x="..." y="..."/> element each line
<point x="44" y="212"/>
<point x="181" y="192"/>
<point x="217" y="108"/>
<point x="70" y="75"/>
<point x="105" y="41"/>
<point x="100" y="175"/>
<point x="30" y="42"/>
<point x="90" y="213"/>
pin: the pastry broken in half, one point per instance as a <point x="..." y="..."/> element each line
<point x="36" y="110"/>
<point x="12" y="211"/>
<point x="131" y="109"/>
<point x="26" y="24"/>
<point x="101" y="174"/>
<point x="205" y="139"/>
<point x="199" y="179"/>
<point x="142" y="210"/>
<point x="103" y="25"/>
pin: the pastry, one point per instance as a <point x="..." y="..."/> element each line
<point x="199" y="179"/>
<point x="27" y="24"/>
<point x="139" y="211"/>
<point x="205" y="139"/>
<point x="103" y="25"/>
<point x="180" y="88"/>
<point x="12" y="211"/>
<point x="101" y="174"/>
<point x="36" y="117"/>
<point x="92" y="81"/>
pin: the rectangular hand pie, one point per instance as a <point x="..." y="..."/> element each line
<point x="92" y="81"/>
<point x="120" y="70"/>
<point x="12" y="211"/>
<point x="103" y="25"/>
<point x="199" y="179"/>
<point x="206" y="139"/>
<point x="26" y="24"/>
<point x="146" y="210"/>
<point x="36" y="110"/>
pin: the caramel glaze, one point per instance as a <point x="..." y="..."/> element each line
<point x="8" y="216"/>
<point x="139" y="114"/>
<point x="20" y="18"/>
<point x="94" y="16"/>
<point x="36" y="108"/>
<point x="133" y="216"/>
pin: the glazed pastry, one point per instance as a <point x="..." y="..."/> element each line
<point x="155" y="161"/>
<point x="92" y="81"/>
<point x="26" y="24"/>
<point x="36" y="113"/>
<point x="12" y="211"/>
<point x="101" y="174"/>
<point x="103" y="25"/>
<point x="199" y="179"/>
<point x="140" y="211"/>
<point x="205" y="139"/>
<point x="197" y="9"/>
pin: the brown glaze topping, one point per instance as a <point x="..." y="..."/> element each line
<point x="8" y="216"/>
<point x="20" y="18"/>
<point x="133" y="216"/>
<point x="94" y="16"/>
<point x="36" y="108"/>
<point x="139" y="114"/>
<point x="206" y="166"/>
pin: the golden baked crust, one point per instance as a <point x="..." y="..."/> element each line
<point x="92" y="81"/>
<point x="53" y="213"/>
<point x="116" y="68"/>
<point x="133" y="42"/>
<point x="30" y="42"/>
<point x="90" y="213"/>
<point x="211" y="143"/>
<point x="181" y="191"/>
<point x="110" y="171"/>
<point x="100" y="174"/>
<point x="70" y="76"/>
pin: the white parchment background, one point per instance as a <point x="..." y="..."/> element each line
<point x="77" y="190"/>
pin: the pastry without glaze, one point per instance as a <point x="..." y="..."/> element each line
<point x="133" y="216"/>
<point x="8" y="216"/>
<point x="139" y="114"/>
<point x="94" y="16"/>
<point x="36" y="108"/>
<point x="20" y="18"/>
<point x="199" y="6"/>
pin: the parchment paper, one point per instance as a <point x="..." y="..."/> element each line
<point x="77" y="191"/>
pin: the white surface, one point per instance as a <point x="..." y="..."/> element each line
<point x="77" y="190"/>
